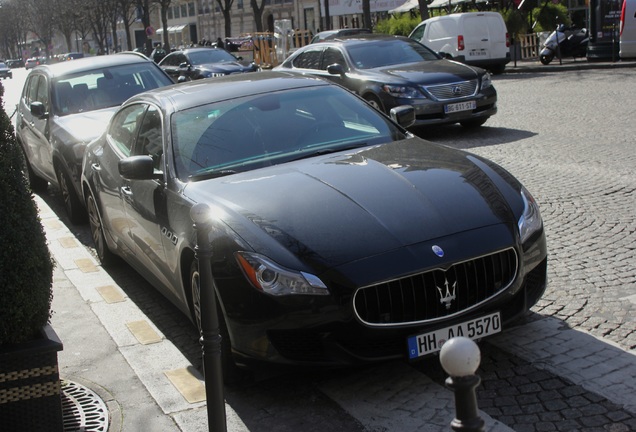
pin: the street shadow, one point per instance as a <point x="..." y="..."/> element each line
<point x="459" y="137"/>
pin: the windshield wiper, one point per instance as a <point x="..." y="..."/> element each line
<point x="322" y="152"/>
<point x="211" y="174"/>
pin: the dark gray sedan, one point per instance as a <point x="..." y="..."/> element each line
<point x="390" y="71"/>
<point x="64" y="106"/>
<point x="337" y="237"/>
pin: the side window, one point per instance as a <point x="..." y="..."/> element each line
<point x="332" y="55"/>
<point x="308" y="60"/>
<point x="122" y="130"/>
<point x="31" y="90"/>
<point x="43" y="92"/>
<point x="150" y="138"/>
<point x="418" y="33"/>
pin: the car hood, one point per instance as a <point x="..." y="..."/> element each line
<point x="429" y="72"/>
<point x="83" y="127"/>
<point x="331" y="210"/>
<point x="226" y="67"/>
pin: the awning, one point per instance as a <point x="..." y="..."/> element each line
<point x="406" y="7"/>
<point x="445" y="3"/>
<point x="173" y="29"/>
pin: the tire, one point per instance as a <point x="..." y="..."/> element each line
<point x="472" y="124"/>
<point x="38" y="184"/>
<point x="374" y="102"/>
<point x="106" y="257"/>
<point x="546" y="59"/>
<point x="232" y="374"/>
<point x="74" y="207"/>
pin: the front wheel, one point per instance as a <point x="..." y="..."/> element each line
<point x="74" y="208"/>
<point x="232" y="374"/>
<point x="546" y="58"/>
<point x="106" y="257"/>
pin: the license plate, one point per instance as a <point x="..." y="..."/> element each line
<point x="477" y="53"/>
<point x="460" y="106"/>
<point x="431" y="342"/>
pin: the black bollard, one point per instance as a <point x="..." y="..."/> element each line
<point x="460" y="358"/>
<point x="210" y="333"/>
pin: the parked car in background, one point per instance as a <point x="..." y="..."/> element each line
<point x="332" y="34"/>
<point x="32" y="62"/>
<point x="338" y="236"/>
<point x="627" y="38"/>
<point x="198" y="63"/>
<point x="389" y="71"/>
<point x="5" y="72"/>
<point x="71" y="56"/>
<point x="15" y="63"/>
<point x="475" y="38"/>
<point x="65" y="105"/>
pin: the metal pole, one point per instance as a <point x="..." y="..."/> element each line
<point x="210" y="333"/>
<point x="460" y="358"/>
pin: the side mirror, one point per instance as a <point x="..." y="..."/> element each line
<point x="38" y="110"/>
<point x="336" y="69"/>
<point x="138" y="168"/>
<point x="445" y="55"/>
<point x="404" y="115"/>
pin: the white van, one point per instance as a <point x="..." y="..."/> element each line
<point x="628" y="30"/>
<point x="475" y="38"/>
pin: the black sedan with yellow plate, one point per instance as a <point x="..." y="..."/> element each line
<point x="337" y="236"/>
<point x="389" y="71"/>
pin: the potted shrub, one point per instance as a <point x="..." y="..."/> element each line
<point x="29" y="377"/>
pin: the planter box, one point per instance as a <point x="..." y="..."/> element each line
<point x="30" y="397"/>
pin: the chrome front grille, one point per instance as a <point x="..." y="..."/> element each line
<point x="436" y="294"/>
<point x="454" y="90"/>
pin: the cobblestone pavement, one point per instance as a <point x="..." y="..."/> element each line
<point x="569" y="137"/>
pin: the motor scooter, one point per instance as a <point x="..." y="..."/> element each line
<point x="572" y="42"/>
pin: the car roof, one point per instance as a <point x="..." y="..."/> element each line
<point x="194" y="93"/>
<point x="90" y="63"/>
<point x="195" y="49"/>
<point x="362" y="38"/>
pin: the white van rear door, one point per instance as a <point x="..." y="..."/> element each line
<point x="476" y="37"/>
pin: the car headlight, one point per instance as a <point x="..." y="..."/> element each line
<point x="486" y="81"/>
<point x="530" y="221"/>
<point x="276" y="280"/>
<point x="398" y="91"/>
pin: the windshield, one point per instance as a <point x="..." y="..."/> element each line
<point x="105" y="87"/>
<point x="210" y="56"/>
<point x="266" y="129"/>
<point x="391" y="52"/>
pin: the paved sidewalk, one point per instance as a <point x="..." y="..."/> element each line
<point x="567" y="64"/>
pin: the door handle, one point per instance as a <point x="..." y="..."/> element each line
<point x="96" y="167"/>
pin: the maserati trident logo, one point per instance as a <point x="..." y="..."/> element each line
<point x="445" y="295"/>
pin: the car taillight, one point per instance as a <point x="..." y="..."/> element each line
<point x="507" y="39"/>
<point x="460" y="43"/>
<point x="622" y="20"/>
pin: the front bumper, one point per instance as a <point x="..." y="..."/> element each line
<point x="325" y="332"/>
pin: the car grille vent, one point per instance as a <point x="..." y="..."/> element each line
<point x="454" y="90"/>
<point x="436" y="294"/>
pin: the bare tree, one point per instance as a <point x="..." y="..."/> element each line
<point x="165" y="5"/>
<point x="40" y="18"/>
<point x="366" y="14"/>
<point x="226" y="9"/>
<point x="423" y="4"/>
<point x="101" y="14"/>
<point x="257" y="10"/>
<point x="127" y="13"/>
<point x="13" y="29"/>
<point x="67" y="15"/>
